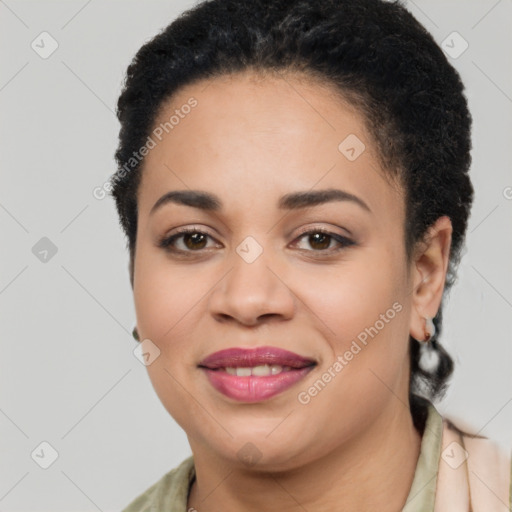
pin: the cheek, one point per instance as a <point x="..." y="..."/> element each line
<point x="351" y="297"/>
<point x="166" y="304"/>
<point x="167" y="301"/>
<point x="164" y="295"/>
<point x="363" y="312"/>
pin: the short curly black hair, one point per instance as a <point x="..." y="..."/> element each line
<point x="375" y="53"/>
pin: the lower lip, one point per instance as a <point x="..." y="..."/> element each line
<point x="252" y="388"/>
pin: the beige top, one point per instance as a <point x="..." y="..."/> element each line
<point x="454" y="473"/>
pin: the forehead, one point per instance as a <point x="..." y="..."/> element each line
<point x="254" y="138"/>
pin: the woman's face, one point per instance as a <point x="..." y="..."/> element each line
<point x="339" y="295"/>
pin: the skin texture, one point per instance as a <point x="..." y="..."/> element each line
<point x="249" y="141"/>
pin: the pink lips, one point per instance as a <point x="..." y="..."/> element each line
<point x="254" y="388"/>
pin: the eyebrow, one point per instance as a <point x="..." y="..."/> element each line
<point x="293" y="201"/>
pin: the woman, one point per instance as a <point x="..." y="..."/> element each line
<point x="293" y="183"/>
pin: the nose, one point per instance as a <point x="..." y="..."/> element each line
<point x="252" y="293"/>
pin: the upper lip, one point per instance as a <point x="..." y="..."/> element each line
<point x="243" y="357"/>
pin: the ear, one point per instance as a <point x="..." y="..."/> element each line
<point x="429" y="274"/>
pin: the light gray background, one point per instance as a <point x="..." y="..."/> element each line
<point x="68" y="374"/>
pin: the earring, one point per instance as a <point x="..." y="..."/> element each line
<point x="430" y="330"/>
<point x="429" y="356"/>
<point x="135" y="334"/>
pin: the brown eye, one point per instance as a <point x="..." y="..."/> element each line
<point x="194" y="240"/>
<point x="185" y="241"/>
<point x="320" y="241"/>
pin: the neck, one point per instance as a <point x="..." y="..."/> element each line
<point x="374" y="472"/>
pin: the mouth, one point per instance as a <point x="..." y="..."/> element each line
<point x="253" y="375"/>
<point x="243" y="359"/>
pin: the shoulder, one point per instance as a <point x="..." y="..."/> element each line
<point x="489" y="468"/>
<point x="477" y="464"/>
<point x="170" y="491"/>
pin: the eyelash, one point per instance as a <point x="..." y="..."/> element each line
<point x="168" y="241"/>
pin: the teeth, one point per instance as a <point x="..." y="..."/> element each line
<point x="275" y="369"/>
<point x="243" y="372"/>
<point x="258" y="371"/>
<point x="261" y="371"/>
